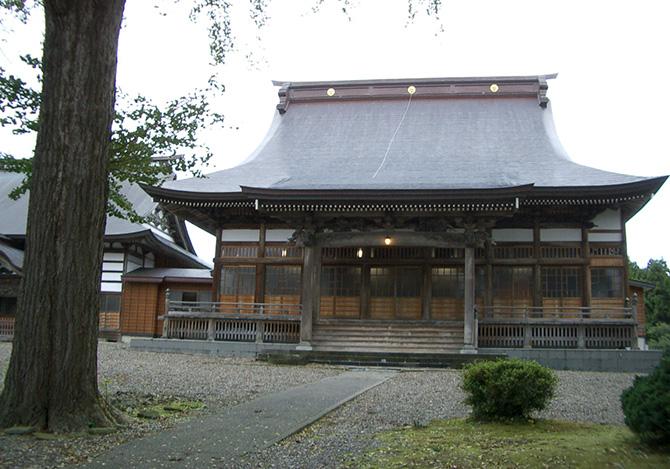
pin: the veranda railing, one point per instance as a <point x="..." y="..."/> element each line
<point x="232" y="321"/>
<point x="558" y="327"/>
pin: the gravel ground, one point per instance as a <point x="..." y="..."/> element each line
<point x="416" y="398"/>
<point x="410" y="398"/>
<point x="133" y="378"/>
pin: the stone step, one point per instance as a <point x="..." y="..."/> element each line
<point x="393" y="358"/>
<point x="425" y="341"/>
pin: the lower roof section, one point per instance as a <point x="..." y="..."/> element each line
<point x="158" y="275"/>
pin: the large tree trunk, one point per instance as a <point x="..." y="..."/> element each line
<point x="52" y="376"/>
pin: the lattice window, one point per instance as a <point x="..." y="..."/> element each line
<point x="395" y="292"/>
<point x="283" y="285"/>
<point x="110" y="302"/>
<point x="561" y="252"/>
<point x="397" y="252"/>
<point x="448" y="287"/>
<point x="561" y="282"/>
<point x="448" y="253"/>
<point x="238" y="284"/>
<point x="607" y="282"/>
<point x="239" y="251"/>
<point x="448" y="282"/>
<point x="342" y="253"/>
<point x="512" y="286"/>
<point x="340" y="291"/>
<point x="607" y="250"/>
<point x="289" y="252"/>
<point x="513" y="252"/>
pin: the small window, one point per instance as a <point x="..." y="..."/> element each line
<point x="110" y="303"/>
<point x="7" y="306"/>
<point x="607" y="283"/>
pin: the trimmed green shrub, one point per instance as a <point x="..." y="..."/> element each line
<point x="646" y="404"/>
<point x="507" y="388"/>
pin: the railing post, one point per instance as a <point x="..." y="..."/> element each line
<point x="166" y="319"/>
<point x="581" y="336"/>
<point x="210" y="329"/>
<point x="475" y="339"/>
<point x="527" y="330"/>
<point x="633" y="310"/>
<point x="260" y="331"/>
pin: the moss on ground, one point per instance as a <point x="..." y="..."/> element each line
<point x="166" y="409"/>
<point x="460" y="443"/>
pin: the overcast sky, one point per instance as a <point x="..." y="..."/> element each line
<point x="610" y="100"/>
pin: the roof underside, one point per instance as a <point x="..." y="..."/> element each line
<point x="441" y="138"/>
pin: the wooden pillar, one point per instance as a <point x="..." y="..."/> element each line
<point x="469" y="300"/>
<point x="537" y="272"/>
<point x="488" y="295"/>
<point x="166" y="319"/>
<point x="586" y="270"/>
<point x="310" y="292"/>
<point x="216" y="274"/>
<point x="365" y="289"/>
<point x="259" y="293"/>
<point x="427" y="291"/>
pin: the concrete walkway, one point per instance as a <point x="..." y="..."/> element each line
<point x="217" y="439"/>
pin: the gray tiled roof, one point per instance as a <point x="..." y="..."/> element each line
<point x="14" y="213"/>
<point x="441" y="143"/>
<point x="13" y="255"/>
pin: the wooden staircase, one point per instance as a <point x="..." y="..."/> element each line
<point x="388" y="337"/>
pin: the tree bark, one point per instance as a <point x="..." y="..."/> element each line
<point x="52" y="377"/>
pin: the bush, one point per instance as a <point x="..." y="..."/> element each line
<point x="646" y="405"/>
<point x="508" y="388"/>
<point x="658" y="336"/>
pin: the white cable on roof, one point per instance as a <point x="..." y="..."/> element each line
<point x="388" y="148"/>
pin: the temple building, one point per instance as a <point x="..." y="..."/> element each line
<point x="161" y="242"/>
<point x="422" y="215"/>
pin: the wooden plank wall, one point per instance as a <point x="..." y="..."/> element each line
<point x="139" y="308"/>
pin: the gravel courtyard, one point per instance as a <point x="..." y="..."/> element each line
<point x="411" y="398"/>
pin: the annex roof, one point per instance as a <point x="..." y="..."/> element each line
<point x="160" y="274"/>
<point x="442" y="134"/>
<point x="14" y="217"/>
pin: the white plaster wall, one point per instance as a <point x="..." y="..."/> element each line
<point x="113" y="256"/>
<point x="605" y="237"/>
<point x="610" y="219"/>
<point x="278" y="235"/>
<point x="560" y="234"/>
<point x="512" y="235"/>
<point x="249" y="236"/>
<point x="110" y="287"/>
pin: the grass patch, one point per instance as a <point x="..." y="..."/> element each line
<point x="166" y="409"/>
<point x="461" y="443"/>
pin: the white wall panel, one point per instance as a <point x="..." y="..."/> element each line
<point x="110" y="287"/>
<point x="249" y="236"/>
<point x="512" y="234"/>
<point x="113" y="256"/>
<point x="605" y="237"/>
<point x="610" y="219"/>
<point x="278" y="235"/>
<point x="112" y="266"/>
<point x="111" y="276"/>
<point x="560" y="234"/>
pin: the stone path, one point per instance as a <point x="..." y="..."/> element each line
<point x="215" y="440"/>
